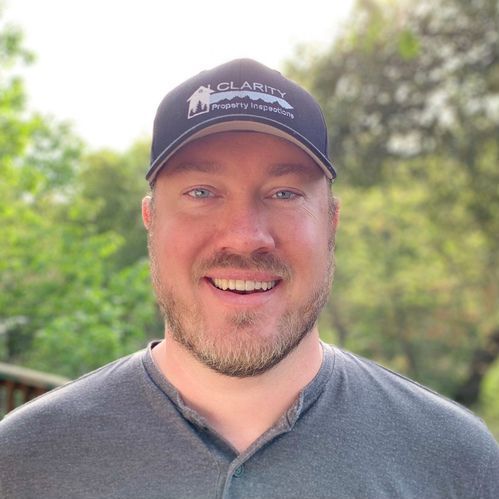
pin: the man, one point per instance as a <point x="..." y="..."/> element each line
<point x="241" y="398"/>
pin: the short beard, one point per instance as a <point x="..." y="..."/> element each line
<point x="246" y="353"/>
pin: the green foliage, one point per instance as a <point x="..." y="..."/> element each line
<point x="74" y="290"/>
<point x="410" y="94"/>
<point x="65" y="280"/>
<point x="405" y="80"/>
<point x="489" y="399"/>
<point x="12" y="50"/>
<point x="96" y="323"/>
<point x="109" y="189"/>
<point x="410" y="279"/>
<point x="409" y="46"/>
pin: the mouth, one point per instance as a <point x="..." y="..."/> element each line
<point x="242" y="287"/>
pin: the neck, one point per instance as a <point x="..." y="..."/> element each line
<point x="239" y="409"/>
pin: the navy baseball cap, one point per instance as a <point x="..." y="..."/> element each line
<point x="241" y="95"/>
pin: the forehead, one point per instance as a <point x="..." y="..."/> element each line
<point x="244" y="153"/>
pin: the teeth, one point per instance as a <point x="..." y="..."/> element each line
<point x="239" y="285"/>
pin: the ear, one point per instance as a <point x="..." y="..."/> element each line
<point x="147" y="209"/>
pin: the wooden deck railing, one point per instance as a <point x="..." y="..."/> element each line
<point x="19" y="385"/>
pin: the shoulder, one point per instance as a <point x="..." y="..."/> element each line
<point x="71" y="441"/>
<point x="57" y="409"/>
<point x="403" y="417"/>
<point x="376" y="386"/>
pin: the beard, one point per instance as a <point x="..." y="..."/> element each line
<point x="239" y="348"/>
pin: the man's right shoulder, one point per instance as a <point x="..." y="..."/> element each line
<point x="64" y="404"/>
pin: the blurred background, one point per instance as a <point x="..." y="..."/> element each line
<point x="411" y="95"/>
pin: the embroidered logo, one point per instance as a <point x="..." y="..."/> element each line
<point x="229" y="96"/>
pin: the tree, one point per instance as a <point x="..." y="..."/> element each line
<point x="489" y="402"/>
<point x="410" y="94"/>
<point x="111" y="187"/>
<point x="405" y="80"/>
<point x="26" y="190"/>
<point x="74" y="294"/>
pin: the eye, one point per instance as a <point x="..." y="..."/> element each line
<point x="199" y="193"/>
<point x="285" y="195"/>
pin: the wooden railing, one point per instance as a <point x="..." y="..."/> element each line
<point x="19" y="385"/>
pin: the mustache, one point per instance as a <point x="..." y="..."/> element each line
<point x="262" y="262"/>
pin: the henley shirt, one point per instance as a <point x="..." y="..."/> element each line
<point x="357" y="430"/>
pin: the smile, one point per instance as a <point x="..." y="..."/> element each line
<point x="242" y="285"/>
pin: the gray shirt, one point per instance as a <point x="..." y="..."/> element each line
<point x="356" y="431"/>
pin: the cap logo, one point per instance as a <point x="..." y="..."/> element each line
<point x="228" y="96"/>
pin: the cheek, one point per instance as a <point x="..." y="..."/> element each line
<point x="306" y="251"/>
<point x="178" y="242"/>
<point x="305" y="233"/>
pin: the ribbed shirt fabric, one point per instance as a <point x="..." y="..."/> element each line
<point x="357" y="430"/>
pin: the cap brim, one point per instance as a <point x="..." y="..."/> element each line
<point x="226" y="124"/>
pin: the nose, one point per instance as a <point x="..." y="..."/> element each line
<point x="245" y="229"/>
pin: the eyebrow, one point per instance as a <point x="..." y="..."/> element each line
<point x="205" y="167"/>
<point x="282" y="169"/>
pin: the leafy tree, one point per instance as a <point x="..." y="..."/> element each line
<point x="99" y="322"/>
<point x="73" y="295"/>
<point x="411" y="98"/>
<point x="410" y="287"/>
<point x="24" y="192"/>
<point x="407" y="79"/>
<point x="111" y="187"/>
<point x="489" y="401"/>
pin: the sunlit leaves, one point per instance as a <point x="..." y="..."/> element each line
<point x="74" y="293"/>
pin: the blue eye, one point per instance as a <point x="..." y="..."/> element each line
<point x="200" y="193"/>
<point x="284" y="195"/>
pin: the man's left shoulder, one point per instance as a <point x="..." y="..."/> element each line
<point x="417" y="408"/>
<point x="411" y="423"/>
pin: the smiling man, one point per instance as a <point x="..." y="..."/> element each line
<point x="241" y="398"/>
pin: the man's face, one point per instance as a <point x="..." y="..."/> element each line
<point x="240" y="240"/>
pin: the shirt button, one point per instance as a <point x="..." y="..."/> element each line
<point x="238" y="471"/>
